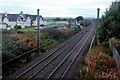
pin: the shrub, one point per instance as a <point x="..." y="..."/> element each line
<point x="99" y="65"/>
<point x="82" y="24"/>
<point x="17" y="27"/>
<point x="7" y="56"/>
<point x="20" y="32"/>
<point x="53" y="33"/>
<point x="110" y="23"/>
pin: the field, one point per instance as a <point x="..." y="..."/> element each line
<point x="56" y="22"/>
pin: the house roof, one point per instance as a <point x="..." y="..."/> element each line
<point x="2" y="15"/>
<point x="35" y="16"/>
<point x="13" y="17"/>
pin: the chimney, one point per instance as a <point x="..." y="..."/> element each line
<point x="5" y="14"/>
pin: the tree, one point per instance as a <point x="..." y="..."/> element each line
<point x="110" y="23"/>
<point x="64" y="19"/>
<point x="57" y="19"/>
<point x="79" y="18"/>
<point x="70" y="20"/>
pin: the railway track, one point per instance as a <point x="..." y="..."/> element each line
<point x="66" y="64"/>
<point x="50" y="65"/>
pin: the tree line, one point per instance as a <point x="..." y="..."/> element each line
<point x="110" y="23"/>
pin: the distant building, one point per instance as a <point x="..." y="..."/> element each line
<point x="23" y="20"/>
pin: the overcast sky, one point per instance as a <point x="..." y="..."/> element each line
<point x="56" y="8"/>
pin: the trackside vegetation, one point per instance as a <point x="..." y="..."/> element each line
<point x="110" y="23"/>
<point x="18" y="41"/>
<point x="99" y="64"/>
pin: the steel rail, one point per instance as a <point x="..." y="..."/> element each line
<point x="65" y="58"/>
<point x="75" y="57"/>
<point x="92" y="42"/>
<point x="50" y="61"/>
<point x="47" y="56"/>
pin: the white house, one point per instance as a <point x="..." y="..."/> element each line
<point x="23" y="20"/>
<point x="28" y="21"/>
<point x="3" y="26"/>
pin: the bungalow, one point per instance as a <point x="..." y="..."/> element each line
<point x="11" y="20"/>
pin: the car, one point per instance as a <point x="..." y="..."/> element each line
<point x="39" y="28"/>
<point x="55" y="26"/>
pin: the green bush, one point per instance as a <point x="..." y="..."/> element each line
<point x="99" y="64"/>
<point x="110" y="23"/>
<point x="7" y="56"/>
<point x="17" y="27"/>
<point x="77" y="28"/>
<point x="82" y="24"/>
<point x="53" y="33"/>
<point x="20" y="32"/>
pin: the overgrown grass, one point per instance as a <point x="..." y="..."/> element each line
<point x="17" y="42"/>
<point x="26" y="29"/>
<point x="99" y="64"/>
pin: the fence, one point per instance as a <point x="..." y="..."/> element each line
<point x="92" y="42"/>
<point x="115" y="53"/>
<point x="13" y="64"/>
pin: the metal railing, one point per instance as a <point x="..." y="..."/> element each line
<point x="92" y="42"/>
<point x="115" y="53"/>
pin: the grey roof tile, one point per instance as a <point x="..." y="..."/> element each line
<point x="13" y="17"/>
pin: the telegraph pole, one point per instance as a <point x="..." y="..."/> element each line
<point x="38" y="27"/>
<point x="98" y="11"/>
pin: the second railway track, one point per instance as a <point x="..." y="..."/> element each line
<point x="51" y="63"/>
<point x="61" y="70"/>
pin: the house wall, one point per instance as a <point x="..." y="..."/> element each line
<point x="5" y="20"/>
<point x="45" y="22"/>
<point x="0" y="18"/>
<point x="3" y="26"/>
<point x="41" y="22"/>
<point x="18" y="22"/>
<point x="28" y="21"/>
<point x="12" y="24"/>
<point x="22" y="22"/>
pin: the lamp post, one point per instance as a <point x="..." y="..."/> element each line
<point x="98" y="11"/>
<point x="38" y="27"/>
